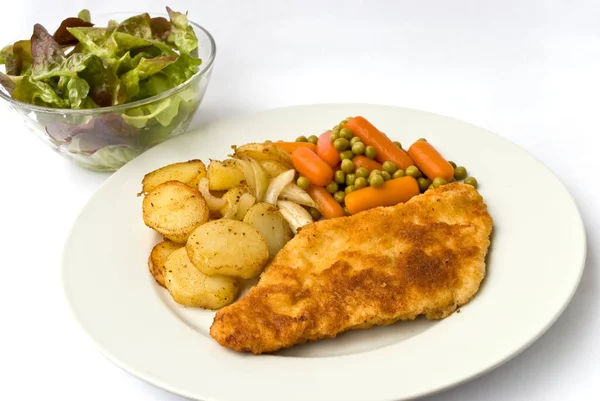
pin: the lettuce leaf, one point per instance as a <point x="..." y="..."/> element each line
<point x="182" y="34"/>
<point x="63" y="36"/>
<point x="85" y="15"/>
<point x="77" y="91"/>
<point x="144" y="69"/>
<point x="37" y="92"/>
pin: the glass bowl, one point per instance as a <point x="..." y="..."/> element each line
<point x="106" y="138"/>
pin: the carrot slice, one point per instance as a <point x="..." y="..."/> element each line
<point x="291" y="146"/>
<point x="364" y="161"/>
<point x="430" y="161"/>
<point x="326" y="150"/>
<point x="386" y="149"/>
<point x="327" y="205"/>
<point x="390" y="193"/>
<point x="308" y="164"/>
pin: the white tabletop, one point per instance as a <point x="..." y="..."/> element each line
<point x="528" y="70"/>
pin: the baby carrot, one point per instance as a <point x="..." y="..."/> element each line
<point x="291" y="146"/>
<point x="430" y="161"/>
<point x="390" y="193"/>
<point x="327" y="205"/>
<point x="308" y="164"/>
<point x="386" y="149"/>
<point x="326" y="151"/>
<point x="363" y="161"/>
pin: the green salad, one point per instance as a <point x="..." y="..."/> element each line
<point x="83" y="66"/>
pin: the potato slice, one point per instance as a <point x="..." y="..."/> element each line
<point x="174" y="210"/>
<point x="273" y="168"/>
<point x="188" y="286"/>
<point x="228" y="247"/>
<point x="224" y="175"/>
<point x="188" y="172"/>
<point x="271" y="224"/>
<point x="231" y="198"/>
<point x="264" y="151"/>
<point x="158" y="257"/>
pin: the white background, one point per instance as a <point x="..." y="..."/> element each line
<point x="528" y="70"/>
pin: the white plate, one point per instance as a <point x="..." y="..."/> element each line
<point x="534" y="266"/>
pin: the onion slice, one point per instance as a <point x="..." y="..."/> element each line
<point x="277" y="185"/>
<point x="296" y="216"/>
<point x="248" y="171"/>
<point x="261" y="178"/>
<point x="214" y="203"/>
<point x="243" y="205"/>
<point x="294" y="193"/>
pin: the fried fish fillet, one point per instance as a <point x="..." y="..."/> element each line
<point x="424" y="257"/>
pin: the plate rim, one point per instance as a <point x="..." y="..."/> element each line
<point x="157" y="382"/>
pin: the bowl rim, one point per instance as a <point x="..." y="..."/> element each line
<point x="203" y="70"/>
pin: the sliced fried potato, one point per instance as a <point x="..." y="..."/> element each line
<point x="231" y="198"/>
<point x="228" y="247"/>
<point x="188" y="286"/>
<point x="174" y="210"/>
<point x="273" y="168"/>
<point x="264" y="151"/>
<point x="158" y="257"/>
<point x="224" y="175"/>
<point x="271" y="224"/>
<point x="188" y="172"/>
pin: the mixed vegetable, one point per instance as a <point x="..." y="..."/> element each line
<point x="355" y="167"/>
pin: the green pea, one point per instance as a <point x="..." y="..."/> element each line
<point x="452" y="163"/>
<point x="362" y="172"/>
<point x="398" y="144"/>
<point x="339" y="177"/>
<point x="350" y="179"/>
<point x="386" y="176"/>
<point x="358" y="148"/>
<point x="346" y="133"/>
<point x="389" y="166"/>
<point x="376" y="181"/>
<point x="354" y="140"/>
<point x="346" y="211"/>
<point x="346" y="154"/>
<point x="315" y="214"/>
<point x="336" y="128"/>
<point x="341" y="144"/>
<point x="438" y="182"/>
<point x="424" y="183"/>
<point x="334" y="135"/>
<point x="301" y="138"/>
<point x="332" y="187"/>
<point x="313" y="139"/>
<point x="399" y="173"/>
<point x="421" y="140"/>
<point x="360" y="182"/>
<point x="349" y="188"/>
<point x="460" y="173"/>
<point x="348" y="119"/>
<point x="303" y="182"/>
<point x="430" y="187"/>
<point x="370" y="152"/>
<point x="347" y="166"/>
<point x="413" y="172"/>
<point x="339" y="196"/>
<point x="375" y="172"/>
<point x="471" y="181"/>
